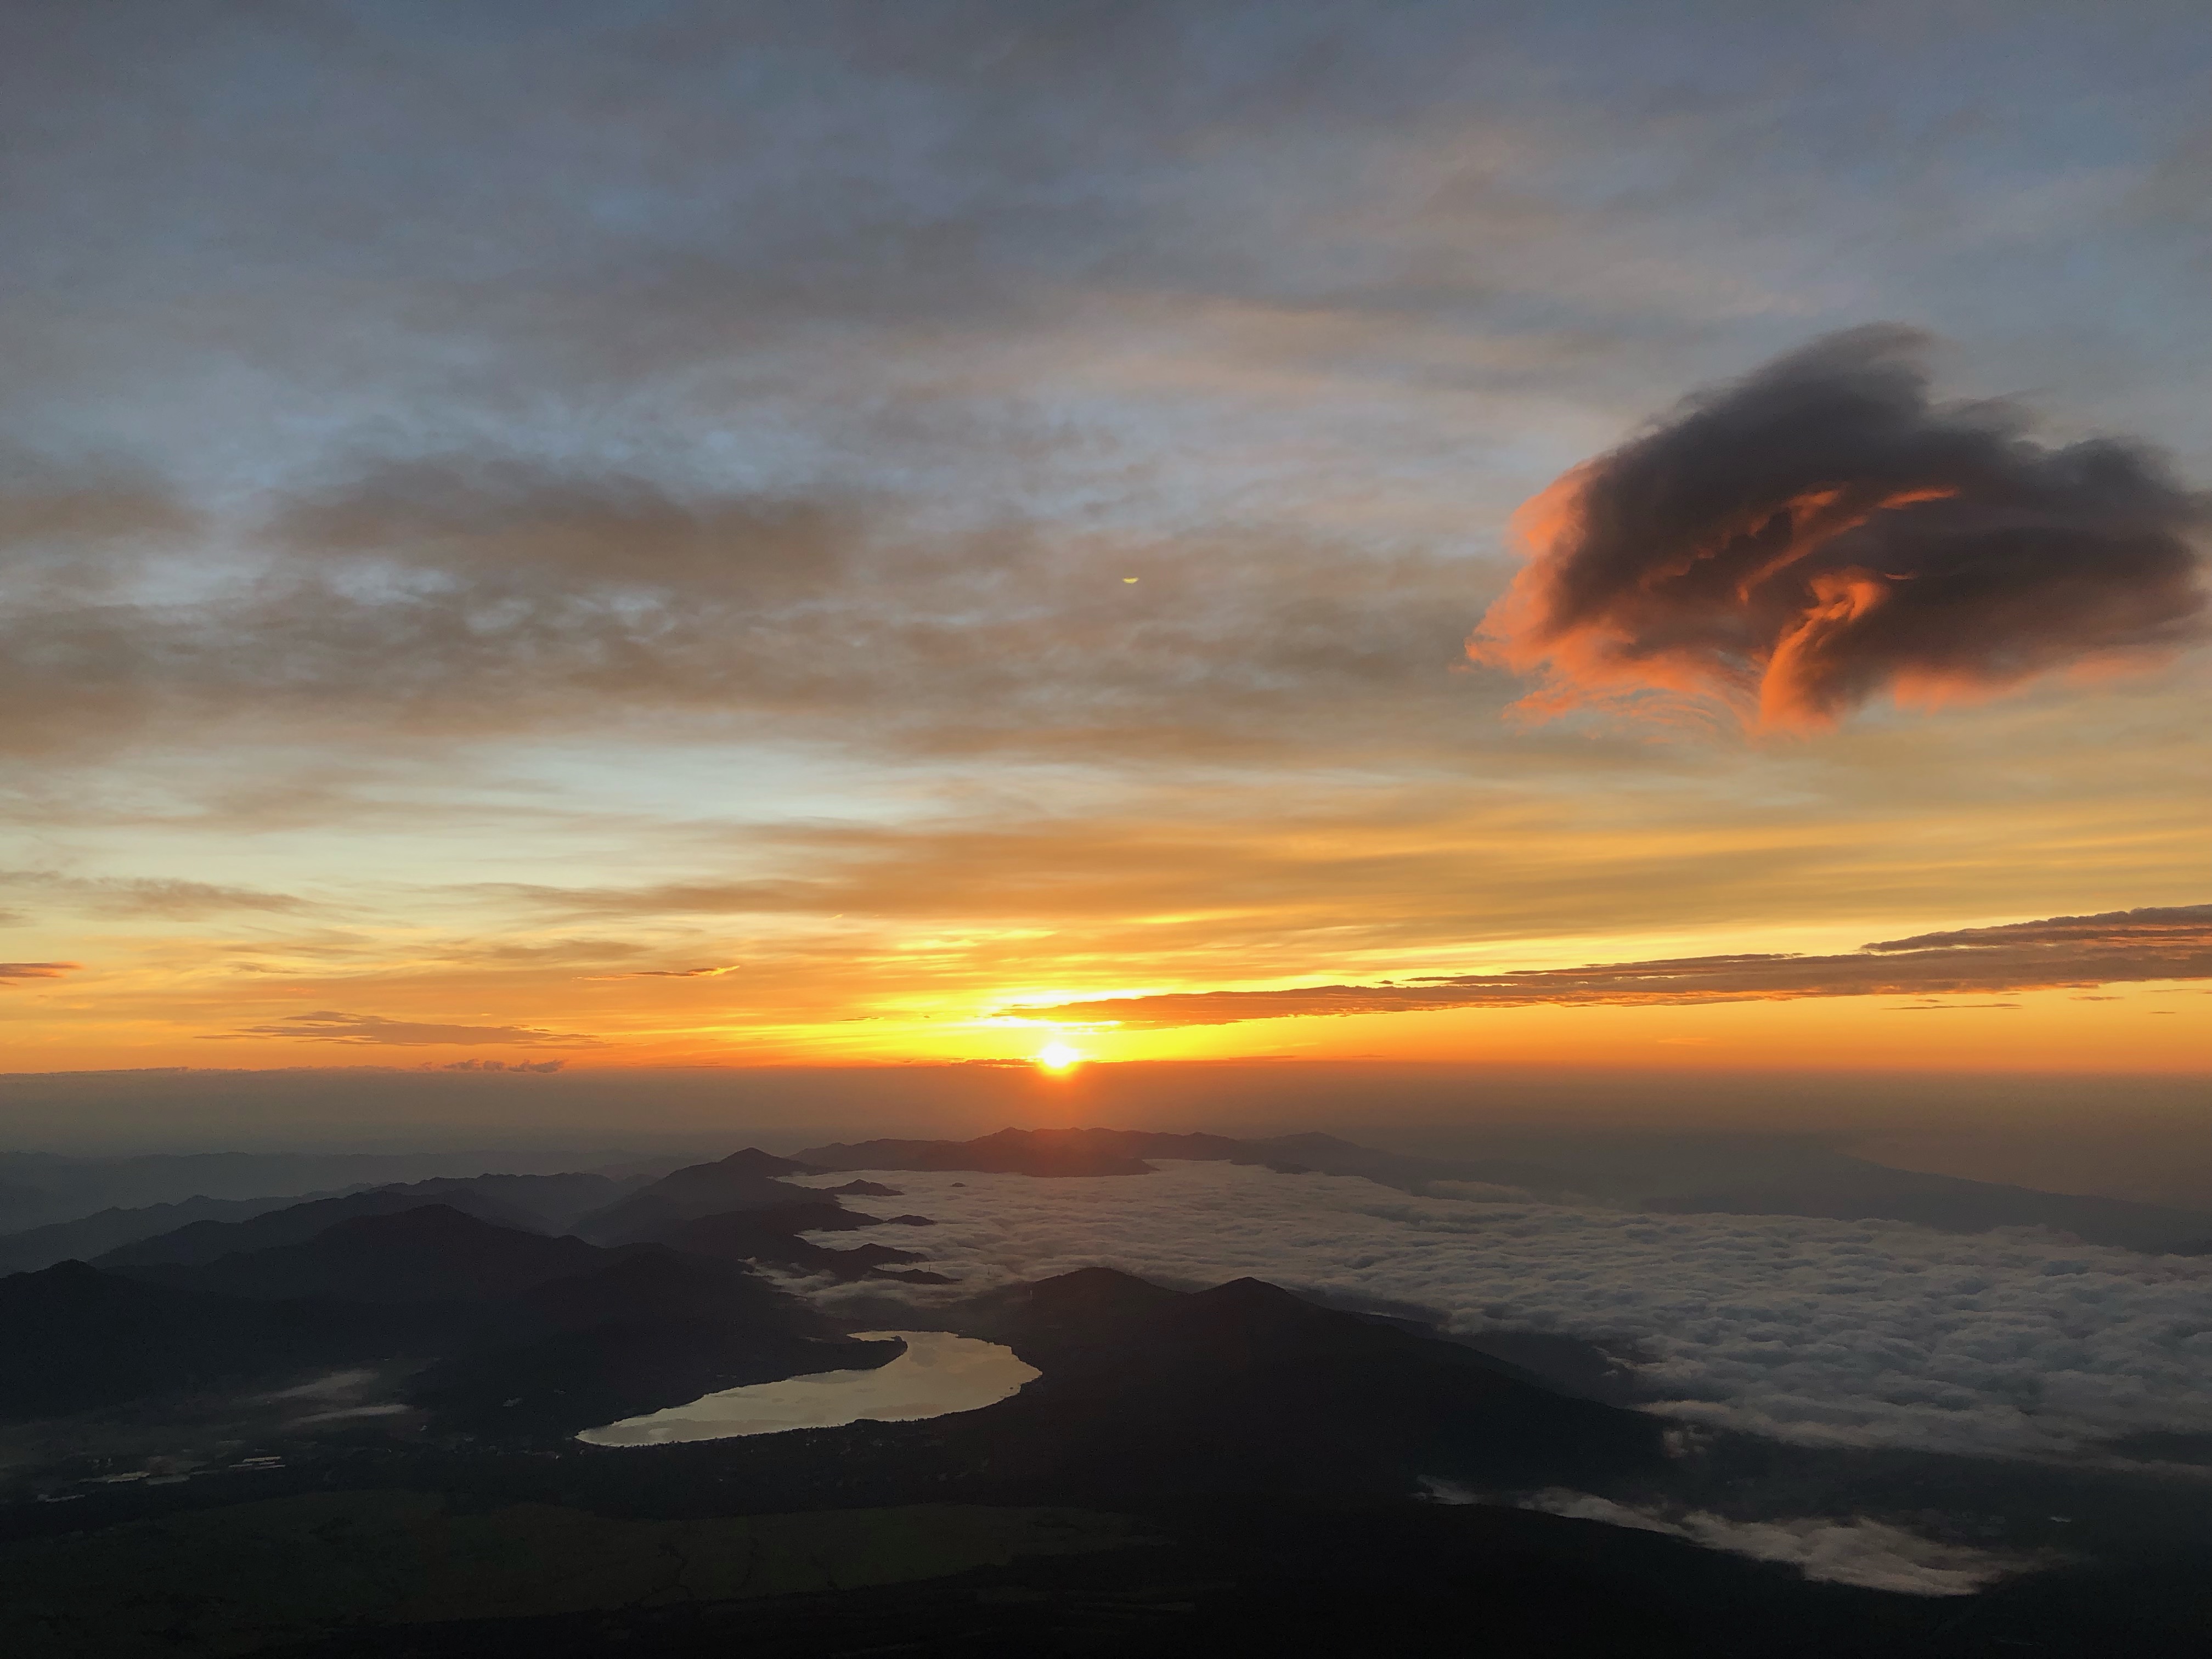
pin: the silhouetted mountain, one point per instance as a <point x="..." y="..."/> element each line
<point x="643" y="1328"/>
<point x="547" y="1202"/>
<point x="863" y="1189"/>
<point x="90" y="1235"/>
<point x="743" y="1181"/>
<point x="50" y="1187"/>
<point x="431" y="1253"/>
<point x="204" y="1242"/>
<point x="772" y="1236"/>
<point x="555" y="1202"/>
<point x="529" y="1334"/>
<point x="1076" y="1320"/>
<point x="77" y="1338"/>
<point x="1248" y="1388"/>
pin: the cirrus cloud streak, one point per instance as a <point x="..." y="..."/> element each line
<point x="2121" y="946"/>
<point x="374" y="1031"/>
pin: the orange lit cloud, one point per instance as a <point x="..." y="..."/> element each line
<point x="1794" y="544"/>
<point x="2063" y="953"/>
<point x="374" y="1031"/>
<point x="11" y="972"/>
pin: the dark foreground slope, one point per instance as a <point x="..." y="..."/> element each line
<point x="380" y="1574"/>
<point x="73" y="1339"/>
<point x="1229" y="1471"/>
<point x="432" y="1577"/>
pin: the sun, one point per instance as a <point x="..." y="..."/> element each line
<point x="1058" y="1056"/>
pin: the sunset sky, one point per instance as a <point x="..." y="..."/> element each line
<point x="640" y="534"/>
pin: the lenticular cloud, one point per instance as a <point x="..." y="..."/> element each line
<point x="1839" y="1332"/>
<point x="1799" y="541"/>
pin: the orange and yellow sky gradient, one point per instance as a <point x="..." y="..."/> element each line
<point x="809" y="545"/>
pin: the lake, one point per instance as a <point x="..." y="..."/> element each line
<point x="939" y="1373"/>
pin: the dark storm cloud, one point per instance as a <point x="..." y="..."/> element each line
<point x="2069" y="952"/>
<point x="372" y="1030"/>
<point x="1819" y="532"/>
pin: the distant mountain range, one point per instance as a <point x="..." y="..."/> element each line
<point x="513" y="1328"/>
<point x="1793" y="1178"/>
<point x="167" y="1232"/>
<point x="39" y="1189"/>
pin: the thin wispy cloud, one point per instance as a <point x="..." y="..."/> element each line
<point x="169" y="898"/>
<point x="373" y="1030"/>
<point x="2066" y="952"/>
<point x="14" y="972"/>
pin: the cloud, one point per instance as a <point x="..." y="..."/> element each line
<point x="1827" y="1333"/>
<point x="1870" y="1553"/>
<point x="1818" y="532"/>
<point x="675" y="973"/>
<point x="12" y="973"/>
<point x="543" y="1066"/>
<point x="373" y="1030"/>
<point x="2118" y="947"/>
<point x="164" y="896"/>
<point x="466" y="595"/>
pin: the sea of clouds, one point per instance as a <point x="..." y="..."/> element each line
<point x="1835" y="1333"/>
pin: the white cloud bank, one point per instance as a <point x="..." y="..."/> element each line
<point x="1839" y="1332"/>
<point x="1871" y="1553"/>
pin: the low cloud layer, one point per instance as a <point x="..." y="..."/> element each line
<point x="2118" y="947"/>
<point x="1828" y="1332"/>
<point x="374" y="1031"/>
<point x="1869" y="1554"/>
<point x="1819" y="532"/>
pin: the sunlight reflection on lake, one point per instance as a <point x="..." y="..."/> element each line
<point x="939" y="1373"/>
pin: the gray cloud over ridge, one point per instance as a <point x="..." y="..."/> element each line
<point x="1845" y="1333"/>
<point x="2119" y="946"/>
<point x="372" y="1030"/>
<point x="1819" y="531"/>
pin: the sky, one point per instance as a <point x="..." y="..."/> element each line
<point x="1658" y="537"/>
